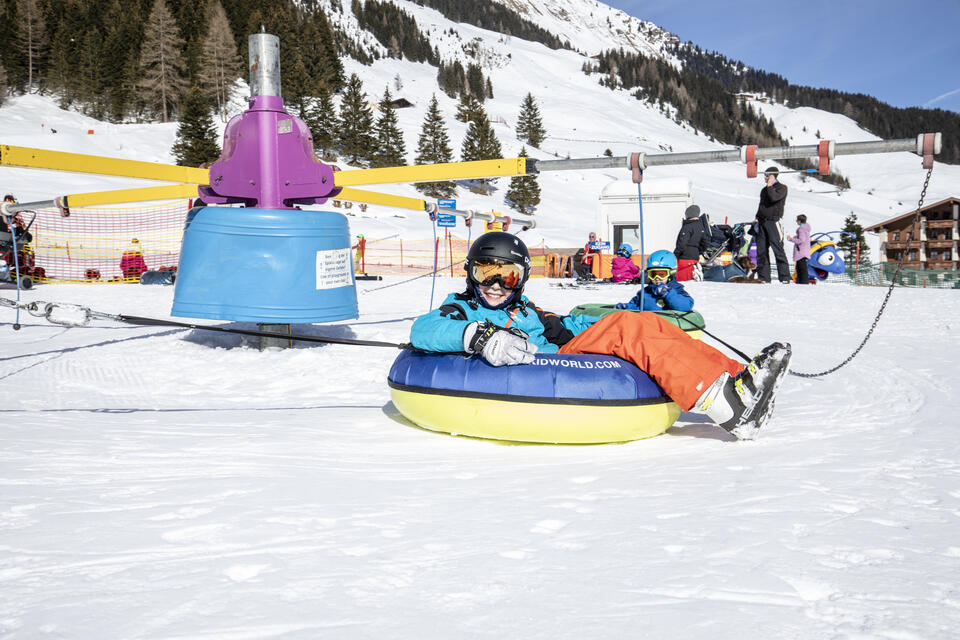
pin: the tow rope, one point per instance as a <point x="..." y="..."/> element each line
<point x="74" y="315"/>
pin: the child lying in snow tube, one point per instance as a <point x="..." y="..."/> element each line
<point x="493" y="320"/>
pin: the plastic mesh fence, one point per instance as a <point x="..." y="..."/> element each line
<point x="103" y="245"/>
<point x="97" y="245"/>
<point x="882" y="275"/>
<point x="398" y="256"/>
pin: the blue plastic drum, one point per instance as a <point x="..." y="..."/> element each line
<point x="265" y="265"/>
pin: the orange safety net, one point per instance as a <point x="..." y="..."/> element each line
<point x="96" y="245"/>
<point x="397" y="256"/>
<point x="103" y="244"/>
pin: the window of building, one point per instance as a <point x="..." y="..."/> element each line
<point x="896" y="236"/>
<point x="912" y="256"/>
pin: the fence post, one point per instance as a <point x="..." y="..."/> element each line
<point x="450" y="250"/>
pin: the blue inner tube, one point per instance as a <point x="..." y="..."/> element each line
<point x="557" y="398"/>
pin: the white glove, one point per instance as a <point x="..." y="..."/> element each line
<point x="497" y="345"/>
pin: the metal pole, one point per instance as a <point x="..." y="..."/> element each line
<point x="264" y="64"/>
<point x="913" y="145"/>
<point x="471" y="214"/>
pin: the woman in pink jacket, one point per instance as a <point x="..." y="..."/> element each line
<point x="801" y="249"/>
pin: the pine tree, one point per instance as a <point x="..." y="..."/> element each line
<point x="480" y="142"/>
<point x="220" y="65"/>
<point x="391" y="149"/>
<point x="196" y="141"/>
<point x="849" y="245"/>
<point x="161" y="64"/>
<point x="122" y="28"/>
<point x="468" y="107"/>
<point x="32" y="32"/>
<point x="3" y="85"/>
<point x="475" y="81"/>
<point x="524" y="191"/>
<point x="529" y="124"/>
<point x="322" y="120"/>
<point x="357" y="142"/>
<point x="433" y="147"/>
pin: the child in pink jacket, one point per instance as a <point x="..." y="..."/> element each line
<point x="801" y="249"/>
<point x="623" y="268"/>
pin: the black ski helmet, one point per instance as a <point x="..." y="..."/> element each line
<point x="499" y="245"/>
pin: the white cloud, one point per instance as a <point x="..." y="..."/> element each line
<point x="941" y="97"/>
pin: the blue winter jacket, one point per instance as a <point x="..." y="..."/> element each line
<point x="442" y="329"/>
<point x="675" y="299"/>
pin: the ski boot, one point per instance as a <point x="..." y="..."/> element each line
<point x="742" y="404"/>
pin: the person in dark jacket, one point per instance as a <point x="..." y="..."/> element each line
<point x="769" y="232"/>
<point x="691" y="242"/>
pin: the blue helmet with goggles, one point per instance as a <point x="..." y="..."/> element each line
<point x="498" y="257"/>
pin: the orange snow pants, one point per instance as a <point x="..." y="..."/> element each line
<point x="682" y="366"/>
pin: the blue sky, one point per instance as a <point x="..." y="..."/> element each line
<point x="905" y="53"/>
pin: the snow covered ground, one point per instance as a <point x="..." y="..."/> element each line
<point x="163" y="483"/>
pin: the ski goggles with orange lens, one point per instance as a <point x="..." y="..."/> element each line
<point x="658" y="274"/>
<point x="508" y="274"/>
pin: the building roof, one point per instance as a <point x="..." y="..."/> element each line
<point x="657" y="186"/>
<point x="905" y="216"/>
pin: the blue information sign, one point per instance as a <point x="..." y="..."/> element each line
<point x="600" y="245"/>
<point x="447" y="203"/>
<point x="446" y="220"/>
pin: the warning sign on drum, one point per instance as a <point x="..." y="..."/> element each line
<point x="334" y="269"/>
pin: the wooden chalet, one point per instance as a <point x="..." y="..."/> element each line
<point x="934" y="240"/>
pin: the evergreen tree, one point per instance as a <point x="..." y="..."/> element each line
<point x="849" y="245"/>
<point x="357" y="141"/>
<point x="529" y="124"/>
<point x="524" y="191"/>
<point x="161" y="64"/>
<point x="122" y="27"/>
<point x="475" y="81"/>
<point x="319" y="53"/>
<point x="391" y="150"/>
<point x="321" y="118"/>
<point x="3" y="85"/>
<point x="433" y="147"/>
<point x="33" y="39"/>
<point x="480" y="142"/>
<point x="196" y="141"/>
<point x="220" y="65"/>
<point x="468" y="107"/>
<point x="297" y="83"/>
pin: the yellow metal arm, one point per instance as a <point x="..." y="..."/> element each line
<point x="433" y="172"/>
<point x="11" y="156"/>
<point x="385" y="199"/>
<point x="144" y="194"/>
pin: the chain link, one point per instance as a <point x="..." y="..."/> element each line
<point x="893" y="283"/>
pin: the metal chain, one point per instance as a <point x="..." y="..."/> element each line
<point x="893" y="283"/>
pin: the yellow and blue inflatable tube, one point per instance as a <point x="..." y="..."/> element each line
<point x="559" y="399"/>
